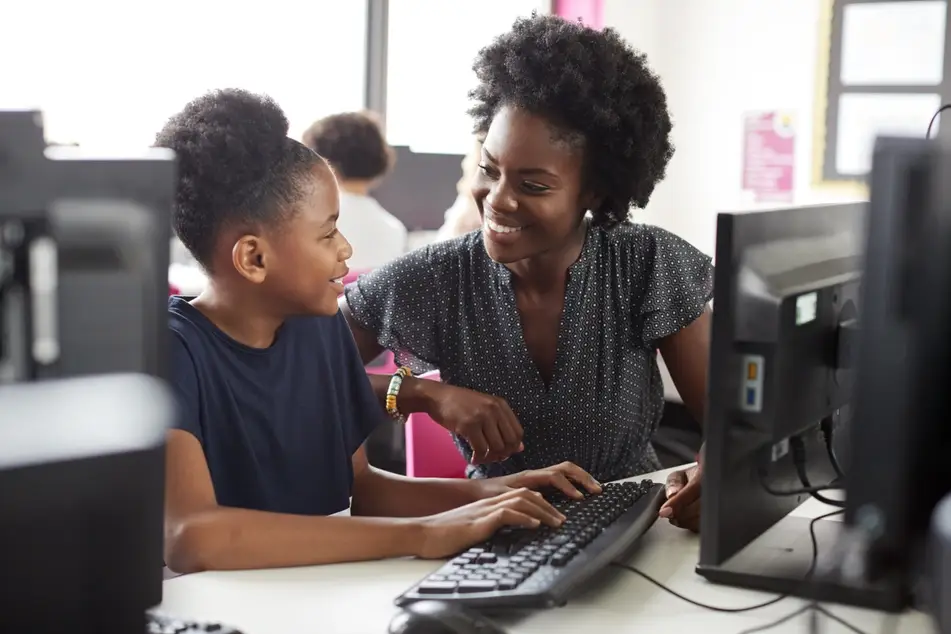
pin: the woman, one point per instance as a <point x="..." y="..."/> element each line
<point x="547" y="322"/>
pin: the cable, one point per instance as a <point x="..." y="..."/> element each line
<point x="714" y="608"/>
<point x="812" y="607"/>
<point x="828" y="429"/>
<point x="798" y="448"/>
<point x="791" y="492"/>
<point x="837" y="619"/>
<point x="814" y="539"/>
<point x="935" y="118"/>
<point x="779" y="621"/>
<point x="799" y="459"/>
<point x="809" y="607"/>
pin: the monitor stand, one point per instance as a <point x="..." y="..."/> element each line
<point x="779" y="560"/>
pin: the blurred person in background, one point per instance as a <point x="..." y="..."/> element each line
<point x="463" y="216"/>
<point x="354" y="145"/>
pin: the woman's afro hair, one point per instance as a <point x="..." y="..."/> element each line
<point x="590" y="83"/>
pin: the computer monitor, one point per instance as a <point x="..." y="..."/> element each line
<point x="84" y="252"/>
<point x="82" y="481"/>
<point x="781" y="370"/>
<point x="902" y="439"/>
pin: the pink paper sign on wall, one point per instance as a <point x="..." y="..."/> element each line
<point x="769" y="157"/>
<point x="590" y="12"/>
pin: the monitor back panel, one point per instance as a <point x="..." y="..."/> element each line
<point x="784" y="281"/>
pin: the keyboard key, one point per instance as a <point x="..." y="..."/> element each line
<point x="437" y="587"/>
<point x="477" y="586"/>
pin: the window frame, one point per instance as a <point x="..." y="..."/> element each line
<point x="830" y="89"/>
<point x="378" y="25"/>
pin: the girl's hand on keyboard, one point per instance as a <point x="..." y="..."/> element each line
<point x="565" y="477"/>
<point x="451" y="532"/>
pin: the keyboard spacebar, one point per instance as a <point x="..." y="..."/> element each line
<point x="437" y="587"/>
<point x="476" y="585"/>
<point x="449" y="587"/>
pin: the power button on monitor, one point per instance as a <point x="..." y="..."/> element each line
<point x="751" y="392"/>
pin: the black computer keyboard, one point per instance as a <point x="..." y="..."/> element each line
<point x="158" y="623"/>
<point x="522" y="568"/>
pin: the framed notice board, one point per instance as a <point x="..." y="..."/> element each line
<point x="884" y="67"/>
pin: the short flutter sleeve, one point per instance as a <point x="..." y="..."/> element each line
<point x="397" y="303"/>
<point x="678" y="283"/>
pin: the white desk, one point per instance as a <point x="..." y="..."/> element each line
<point x="358" y="598"/>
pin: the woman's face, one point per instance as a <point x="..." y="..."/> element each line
<point x="528" y="188"/>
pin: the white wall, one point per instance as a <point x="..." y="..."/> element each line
<point x="719" y="59"/>
<point x="107" y="74"/>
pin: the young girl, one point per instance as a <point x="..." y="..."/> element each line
<point x="274" y="401"/>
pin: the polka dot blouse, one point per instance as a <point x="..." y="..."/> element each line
<point x="449" y="307"/>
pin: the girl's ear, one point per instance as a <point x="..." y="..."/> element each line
<point x="249" y="257"/>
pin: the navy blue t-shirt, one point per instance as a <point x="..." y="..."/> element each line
<point x="278" y="425"/>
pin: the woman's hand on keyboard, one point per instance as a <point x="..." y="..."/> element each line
<point x="451" y="532"/>
<point x="567" y="477"/>
<point x="682" y="507"/>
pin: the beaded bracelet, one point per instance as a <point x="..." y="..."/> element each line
<point x="394" y="389"/>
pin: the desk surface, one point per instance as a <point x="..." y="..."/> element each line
<point x="358" y="598"/>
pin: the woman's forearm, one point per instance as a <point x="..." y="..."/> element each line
<point x="415" y="394"/>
